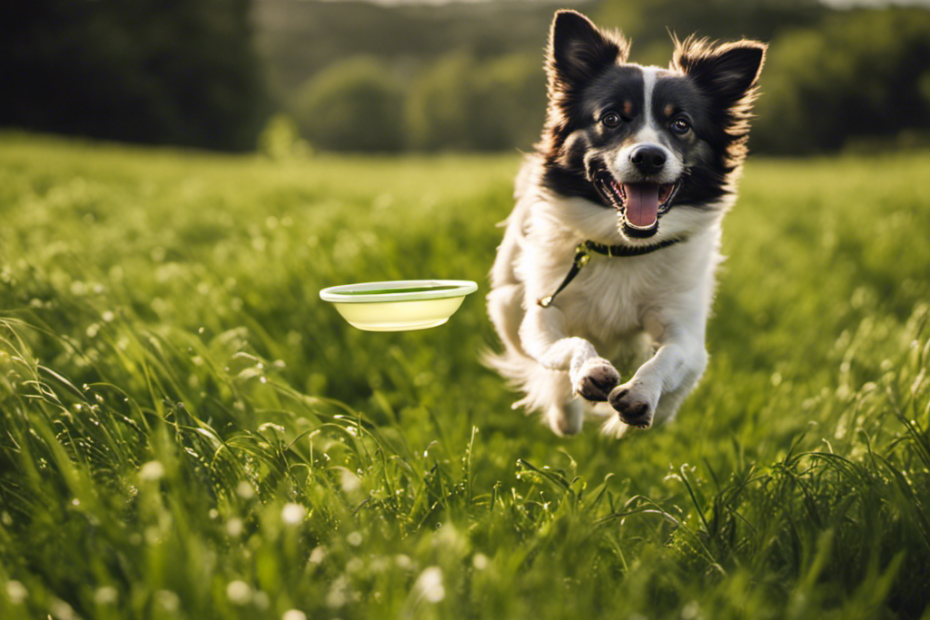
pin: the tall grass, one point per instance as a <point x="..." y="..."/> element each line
<point x="187" y="432"/>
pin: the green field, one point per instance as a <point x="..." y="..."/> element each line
<point x="187" y="431"/>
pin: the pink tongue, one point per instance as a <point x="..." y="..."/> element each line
<point x="642" y="204"/>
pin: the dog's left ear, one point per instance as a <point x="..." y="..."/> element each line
<point x="578" y="50"/>
<point x="728" y="72"/>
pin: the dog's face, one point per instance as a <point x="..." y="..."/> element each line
<point x="644" y="141"/>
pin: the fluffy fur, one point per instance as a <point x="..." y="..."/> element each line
<point x="619" y="140"/>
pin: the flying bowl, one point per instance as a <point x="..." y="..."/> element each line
<point x="398" y="305"/>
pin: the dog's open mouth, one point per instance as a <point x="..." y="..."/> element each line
<point x="640" y="204"/>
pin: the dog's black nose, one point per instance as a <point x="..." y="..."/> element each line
<point x="648" y="158"/>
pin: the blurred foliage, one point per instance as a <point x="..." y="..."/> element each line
<point x="302" y="37"/>
<point x="833" y="78"/>
<point x="353" y="105"/>
<point x="280" y="140"/>
<point x="857" y="75"/>
<point x="360" y="76"/>
<point x="649" y="22"/>
<point x="177" y="72"/>
<point x="461" y="102"/>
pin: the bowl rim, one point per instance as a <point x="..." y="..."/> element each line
<point x="335" y="294"/>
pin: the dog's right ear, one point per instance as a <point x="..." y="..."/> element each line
<point x="578" y="51"/>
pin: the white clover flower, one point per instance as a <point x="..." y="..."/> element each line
<point x="293" y="514"/>
<point x="245" y="490"/>
<point x="294" y="614"/>
<point x="338" y="593"/>
<point x="107" y="595"/>
<point x="480" y="561"/>
<point x="16" y="592"/>
<point x="61" y="610"/>
<point x="153" y="470"/>
<point x="239" y="593"/>
<point x="317" y="555"/>
<point x="429" y="585"/>
<point x="349" y="481"/>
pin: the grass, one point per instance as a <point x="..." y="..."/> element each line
<point x="188" y="432"/>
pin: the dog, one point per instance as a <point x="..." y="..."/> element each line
<point x="609" y="255"/>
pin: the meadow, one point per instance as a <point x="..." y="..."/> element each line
<point x="189" y="432"/>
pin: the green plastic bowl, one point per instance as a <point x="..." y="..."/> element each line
<point x="398" y="305"/>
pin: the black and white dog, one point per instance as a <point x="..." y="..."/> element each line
<point x="609" y="254"/>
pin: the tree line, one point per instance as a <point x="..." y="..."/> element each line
<point x="181" y="72"/>
<point x="856" y="79"/>
<point x="189" y="72"/>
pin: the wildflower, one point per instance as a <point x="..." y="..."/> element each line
<point x="429" y="585"/>
<point x="293" y="514"/>
<point x="245" y="490"/>
<point x="106" y="595"/>
<point x="153" y="470"/>
<point x="239" y="593"/>
<point x="16" y="591"/>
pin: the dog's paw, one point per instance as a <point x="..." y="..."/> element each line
<point x="633" y="408"/>
<point x="596" y="379"/>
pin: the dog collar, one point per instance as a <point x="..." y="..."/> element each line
<point x="583" y="255"/>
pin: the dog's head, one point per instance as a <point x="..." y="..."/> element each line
<point x="645" y="141"/>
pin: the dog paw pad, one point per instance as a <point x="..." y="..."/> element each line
<point x="598" y="378"/>
<point x="632" y="410"/>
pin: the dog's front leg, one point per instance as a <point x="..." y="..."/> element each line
<point x="542" y="334"/>
<point x="661" y="384"/>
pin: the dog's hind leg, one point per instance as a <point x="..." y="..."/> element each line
<point x="564" y="413"/>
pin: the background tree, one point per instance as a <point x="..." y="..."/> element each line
<point x="353" y="105"/>
<point x="860" y="75"/>
<point x="155" y="71"/>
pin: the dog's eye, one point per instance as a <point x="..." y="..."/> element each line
<point x="681" y="126"/>
<point x="610" y="119"/>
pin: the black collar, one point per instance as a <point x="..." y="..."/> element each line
<point x="582" y="256"/>
<point x="620" y="251"/>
